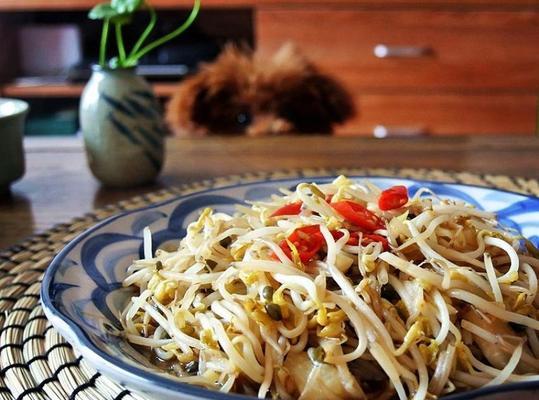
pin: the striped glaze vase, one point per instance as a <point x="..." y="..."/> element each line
<point x="123" y="128"/>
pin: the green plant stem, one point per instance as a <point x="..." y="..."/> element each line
<point x="103" y="46"/>
<point x="120" y="43"/>
<point x="145" y="34"/>
<point x="190" y="19"/>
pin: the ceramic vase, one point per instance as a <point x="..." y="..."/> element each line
<point x="123" y="128"/>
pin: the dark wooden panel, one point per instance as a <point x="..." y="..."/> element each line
<point x="468" y="49"/>
<point x="9" y="53"/>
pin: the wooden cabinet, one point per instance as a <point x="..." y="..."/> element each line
<point x="424" y="71"/>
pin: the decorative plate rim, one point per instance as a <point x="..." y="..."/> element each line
<point x="74" y="334"/>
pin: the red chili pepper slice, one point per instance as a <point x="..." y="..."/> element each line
<point x="337" y="234"/>
<point x="358" y="215"/>
<point x="288" y="209"/>
<point x="371" y="237"/>
<point x="392" y="198"/>
<point x="353" y="240"/>
<point x="308" y="241"/>
<point x="365" y="239"/>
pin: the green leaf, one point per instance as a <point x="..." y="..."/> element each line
<point x="122" y="19"/>
<point x="102" y="11"/>
<point x="126" y="6"/>
<point x="120" y="11"/>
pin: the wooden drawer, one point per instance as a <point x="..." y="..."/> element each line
<point x="405" y="115"/>
<point x="431" y="49"/>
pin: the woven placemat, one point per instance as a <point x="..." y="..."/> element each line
<point x="37" y="363"/>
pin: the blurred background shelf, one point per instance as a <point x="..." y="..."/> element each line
<point x="73" y="90"/>
<point x="14" y="90"/>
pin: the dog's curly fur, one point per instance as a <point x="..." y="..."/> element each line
<point x="239" y="93"/>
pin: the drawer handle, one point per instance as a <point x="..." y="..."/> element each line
<point x="388" y="51"/>
<point x="382" y="131"/>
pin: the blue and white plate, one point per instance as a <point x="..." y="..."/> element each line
<point x="82" y="293"/>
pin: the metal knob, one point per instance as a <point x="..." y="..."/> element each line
<point x="382" y="131"/>
<point x="388" y="51"/>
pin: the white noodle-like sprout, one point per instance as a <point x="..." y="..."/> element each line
<point x="443" y="369"/>
<point x="443" y="317"/>
<point x="478" y="331"/>
<point x="493" y="309"/>
<point x="512" y="274"/>
<point x="148" y="253"/>
<point x="382" y="358"/>
<point x="268" y="375"/>
<point x="411" y="269"/>
<point x="504" y="374"/>
<point x="491" y="274"/>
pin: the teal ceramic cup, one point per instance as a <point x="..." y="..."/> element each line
<point x="12" y="116"/>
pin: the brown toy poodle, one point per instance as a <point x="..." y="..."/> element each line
<point x="239" y="93"/>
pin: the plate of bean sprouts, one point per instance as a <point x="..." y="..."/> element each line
<point x="328" y="288"/>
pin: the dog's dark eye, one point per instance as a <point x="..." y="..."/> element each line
<point x="243" y="118"/>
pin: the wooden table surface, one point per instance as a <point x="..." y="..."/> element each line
<point x="58" y="186"/>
